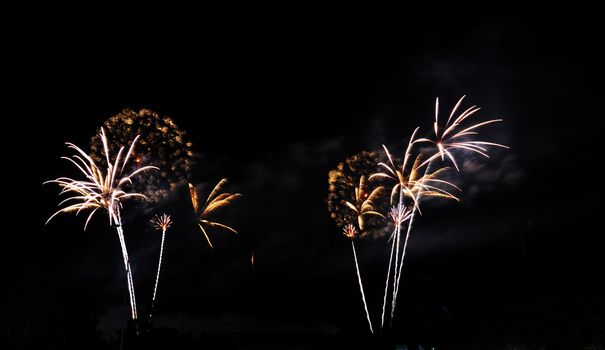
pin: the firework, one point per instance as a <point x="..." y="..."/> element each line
<point x="409" y="183"/>
<point x="104" y="191"/>
<point x="161" y="142"/>
<point x="351" y="232"/>
<point x="161" y="223"/>
<point x="352" y="198"/>
<point x="215" y="201"/>
<point x="364" y="202"/>
<point x="449" y="137"/>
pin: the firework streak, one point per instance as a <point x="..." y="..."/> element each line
<point x="350" y="231"/>
<point x="102" y="191"/>
<point x="161" y="223"/>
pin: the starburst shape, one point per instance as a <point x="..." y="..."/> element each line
<point x="399" y="214"/>
<point x="454" y="134"/>
<point x="162" y="222"/>
<point x="350" y="231"/>
<point x="413" y="181"/>
<point x="214" y="202"/>
<point x="98" y="190"/>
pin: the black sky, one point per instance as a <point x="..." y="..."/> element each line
<point x="273" y="106"/>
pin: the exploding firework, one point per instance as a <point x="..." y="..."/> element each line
<point x="408" y="184"/>
<point x="449" y="137"/>
<point x="351" y="233"/>
<point x="364" y="202"/>
<point x="102" y="191"/>
<point x="215" y="201"/>
<point x="161" y="142"/>
<point x="351" y="198"/>
<point x="161" y="223"/>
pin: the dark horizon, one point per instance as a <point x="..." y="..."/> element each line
<point x="517" y="261"/>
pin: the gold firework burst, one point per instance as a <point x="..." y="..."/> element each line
<point x="161" y="142"/>
<point x="364" y="202"/>
<point x="214" y="202"/>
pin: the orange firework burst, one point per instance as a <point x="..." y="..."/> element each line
<point x="215" y="201"/>
<point x="352" y="198"/>
<point x="364" y="202"/>
<point x="349" y="231"/>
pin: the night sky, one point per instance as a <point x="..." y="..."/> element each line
<point x="273" y="106"/>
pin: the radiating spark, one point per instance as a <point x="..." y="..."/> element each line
<point x="399" y="214"/>
<point x="350" y="231"/>
<point x="454" y="136"/>
<point x="102" y="191"/>
<point x="409" y="183"/>
<point x="215" y="201"/>
<point x="161" y="223"/>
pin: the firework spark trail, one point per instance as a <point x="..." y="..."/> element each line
<point x="127" y="267"/>
<point x="397" y="243"/>
<point x="363" y="297"/>
<point x="157" y="277"/>
<point x="99" y="191"/>
<point x="386" y="284"/>
<point x="131" y="292"/>
<point x="400" y="210"/>
<point x="351" y="232"/>
<point x="407" y="236"/>
<point x="161" y="223"/>
<point x="399" y="214"/>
